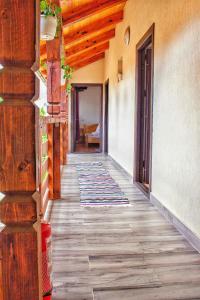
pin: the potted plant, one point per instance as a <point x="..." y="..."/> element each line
<point x="49" y="19"/>
<point x="67" y="73"/>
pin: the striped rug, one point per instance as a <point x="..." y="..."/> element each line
<point x="97" y="187"/>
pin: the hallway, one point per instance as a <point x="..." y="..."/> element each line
<point x="112" y="253"/>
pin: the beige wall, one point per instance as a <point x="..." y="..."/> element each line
<point x="176" y="115"/>
<point x="93" y="73"/>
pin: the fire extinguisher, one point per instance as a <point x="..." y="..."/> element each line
<point x="46" y="261"/>
<point x="47" y="298"/>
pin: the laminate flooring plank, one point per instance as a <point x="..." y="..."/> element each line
<point x="117" y="253"/>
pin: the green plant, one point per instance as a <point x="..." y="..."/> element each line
<point x="1" y="100"/>
<point x="49" y="9"/>
<point x="68" y="73"/>
<point x="44" y="158"/>
<point x="43" y="64"/>
<point x="44" y="138"/>
<point x="68" y="88"/>
<point x="42" y="112"/>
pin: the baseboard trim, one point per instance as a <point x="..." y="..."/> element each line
<point x="120" y="167"/>
<point x="182" y="228"/>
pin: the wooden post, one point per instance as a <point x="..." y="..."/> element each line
<point x="61" y="144"/>
<point x="65" y="143"/>
<point x="54" y="99"/>
<point x="56" y="161"/>
<point x="20" y="204"/>
<point x="50" y="155"/>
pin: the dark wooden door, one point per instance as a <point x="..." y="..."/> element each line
<point x="106" y="117"/>
<point x="73" y="114"/>
<point x="145" y="115"/>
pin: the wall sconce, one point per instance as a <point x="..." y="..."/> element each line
<point x="127" y="36"/>
<point x="1" y="67"/>
<point x="120" y="69"/>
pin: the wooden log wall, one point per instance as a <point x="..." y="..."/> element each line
<point x="20" y="207"/>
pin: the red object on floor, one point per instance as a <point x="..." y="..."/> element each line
<point x="46" y="260"/>
<point x="47" y="298"/>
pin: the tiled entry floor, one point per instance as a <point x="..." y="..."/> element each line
<point x="118" y="253"/>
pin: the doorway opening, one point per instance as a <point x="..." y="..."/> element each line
<point x="144" y="94"/>
<point x="106" y="120"/>
<point x="87" y="118"/>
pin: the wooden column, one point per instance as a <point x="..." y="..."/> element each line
<point x="61" y="144"/>
<point x="54" y="99"/>
<point x="20" y="205"/>
<point x="56" y="161"/>
<point x="64" y="113"/>
<point x="65" y="142"/>
<point x="50" y="155"/>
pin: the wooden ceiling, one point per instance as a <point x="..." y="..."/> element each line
<point x="88" y="25"/>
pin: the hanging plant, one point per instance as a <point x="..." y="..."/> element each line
<point x="43" y="64"/>
<point x="67" y="75"/>
<point x="68" y="88"/>
<point x="50" y="19"/>
<point x="42" y="112"/>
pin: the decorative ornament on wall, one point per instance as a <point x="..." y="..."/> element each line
<point x="127" y="36"/>
<point x="120" y="69"/>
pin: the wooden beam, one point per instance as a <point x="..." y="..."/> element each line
<point x="87" y="54"/>
<point x="100" y="24"/>
<point x="20" y="247"/>
<point x="83" y="63"/>
<point x="90" y="42"/>
<point x="85" y="44"/>
<point x="75" y="14"/>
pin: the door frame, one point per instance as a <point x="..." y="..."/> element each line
<point x="74" y="85"/>
<point x="106" y="116"/>
<point x="144" y="41"/>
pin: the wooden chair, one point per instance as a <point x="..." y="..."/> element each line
<point x="89" y="139"/>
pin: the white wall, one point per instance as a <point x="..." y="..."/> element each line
<point x="90" y="105"/>
<point x="176" y="114"/>
<point x="42" y="100"/>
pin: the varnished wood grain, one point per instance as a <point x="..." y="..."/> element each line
<point x="89" y="43"/>
<point x="87" y="54"/>
<point x="108" y="21"/>
<point x="16" y="39"/>
<point x="50" y="163"/>
<point x="20" y="244"/>
<point x="74" y="13"/>
<point x="128" y="252"/>
<point x="56" y="161"/>
<point x="17" y="147"/>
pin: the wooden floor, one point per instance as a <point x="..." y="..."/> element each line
<point x="83" y="148"/>
<point x="118" y="253"/>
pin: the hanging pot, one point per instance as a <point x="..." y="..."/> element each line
<point x="48" y="26"/>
